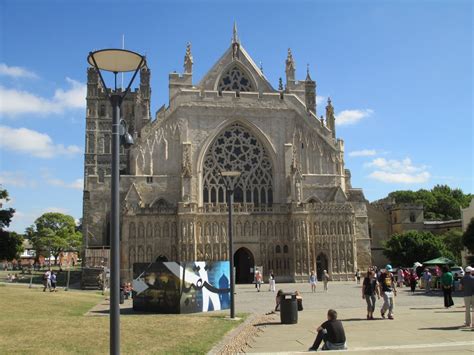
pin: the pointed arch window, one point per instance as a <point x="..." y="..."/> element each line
<point x="238" y="149"/>
<point x="236" y="80"/>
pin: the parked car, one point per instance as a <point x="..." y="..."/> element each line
<point x="457" y="271"/>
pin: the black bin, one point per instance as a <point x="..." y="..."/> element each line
<point x="288" y="308"/>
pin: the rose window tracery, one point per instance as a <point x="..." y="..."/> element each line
<point x="237" y="149"/>
<point x="235" y="80"/>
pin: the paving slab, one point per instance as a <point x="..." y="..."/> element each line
<point x="421" y="325"/>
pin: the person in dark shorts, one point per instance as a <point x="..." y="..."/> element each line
<point x="370" y="289"/>
<point x="332" y="333"/>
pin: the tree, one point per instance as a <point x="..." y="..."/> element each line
<point x="54" y="233"/>
<point x="11" y="245"/>
<point x="468" y="237"/>
<point x="439" y="203"/>
<point x="453" y="243"/>
<point x="6" y="215"/>
<point x="407" y="248"/>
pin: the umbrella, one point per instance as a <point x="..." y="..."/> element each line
<point x="417" y="264"/>
<point x="439" y="261"/>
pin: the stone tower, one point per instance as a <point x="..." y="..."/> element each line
<point x="135" y="111"/>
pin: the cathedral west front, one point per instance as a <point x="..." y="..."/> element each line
<point x="295" y="210"/>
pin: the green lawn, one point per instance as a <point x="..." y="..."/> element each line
<point x="75" y="276"/>
<point x="32" y="321"/>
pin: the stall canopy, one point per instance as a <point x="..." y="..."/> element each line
<point x="439" y="261"/>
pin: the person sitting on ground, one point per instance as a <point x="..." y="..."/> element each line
<point x="299" y="300"/>
<point x="332" y="332"/>
<point x="278" y="300"/>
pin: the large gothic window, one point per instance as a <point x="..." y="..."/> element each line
<point x="237" y="149"/>
<point x="235" y="80"/>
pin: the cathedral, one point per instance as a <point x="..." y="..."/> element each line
<point x="294" y="209"/>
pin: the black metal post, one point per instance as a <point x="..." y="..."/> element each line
<point x="116" y="101"/>
<point x="230" y="199"/>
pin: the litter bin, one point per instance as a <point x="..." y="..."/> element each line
<point x="288" y="308"/>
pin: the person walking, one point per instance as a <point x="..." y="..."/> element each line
<point x="47" y="280"/>
<point x="312" y="281"/>
<point x="388" y="291"/>
<point x="400" y="277"/>
<point x="53" y="281"/>
<point x="258" y="280"/>
<point x="357" y="276"/>
<point x="427" y="277"/>
<point x="467" y="285"/>
<point x="447" y="286"/>
<point x="271" y="281"/>
<point x="332" y="333"/>
<point x="369" y="290"/>
<point x="325" y="280"/>
<point x="413" y="281"/>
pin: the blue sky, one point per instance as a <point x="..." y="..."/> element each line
<point x="399" y="74"/>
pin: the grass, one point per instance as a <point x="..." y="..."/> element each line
<point x="75" y="276"/>
<point x="34" y="321"/>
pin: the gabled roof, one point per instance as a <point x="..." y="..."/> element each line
<point x="227" y="61"/>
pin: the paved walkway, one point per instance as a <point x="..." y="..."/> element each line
<point x="421" y="326"/>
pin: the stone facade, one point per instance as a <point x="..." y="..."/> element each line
<point x="387" y="218"/>
<point x="295" y="210"/>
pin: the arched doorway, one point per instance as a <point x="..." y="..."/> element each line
<point x="244" y="266"/>
<point x="321" y="265"/>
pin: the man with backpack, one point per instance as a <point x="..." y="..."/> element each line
<point x="388" y="291"/>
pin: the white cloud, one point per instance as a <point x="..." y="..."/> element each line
<point x="51" y="180"/>
<point x="15" y="102"/>
<point x="398" y="171"/>
<point x="31" y="142"/>
<point x="363" y="153"/>
<point x="76" y="184"/>
<point x="16" y="72"/>
<point x="348" y="117"/>
<point x="15" y="178"/>
<point x="320" y="99"/>
<point x="54" y="209"/>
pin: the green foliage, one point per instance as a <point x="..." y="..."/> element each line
<point x="453" y="243"/>
<point x="54" y="233"/>
<point x="6" y="215"/>
<point x="11" y="245"/>
<point x="407" y="248"/>
<point x="468" y="237"/>
<point x="440" y="203"/>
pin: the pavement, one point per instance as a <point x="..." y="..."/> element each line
<point x="421" y="325"/>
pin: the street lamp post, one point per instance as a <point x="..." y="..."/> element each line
<point x="115" y="61"/>
<point x="230" y="179"/>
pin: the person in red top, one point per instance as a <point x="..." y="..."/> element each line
<point x="413" y="281"/>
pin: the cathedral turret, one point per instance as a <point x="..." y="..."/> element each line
<point x="290" y="69"/>
<point x="235" y="43"/>
<point x="330" y="118"/>
<point x="188" y="60"/>
<point x="310" y="92"/>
